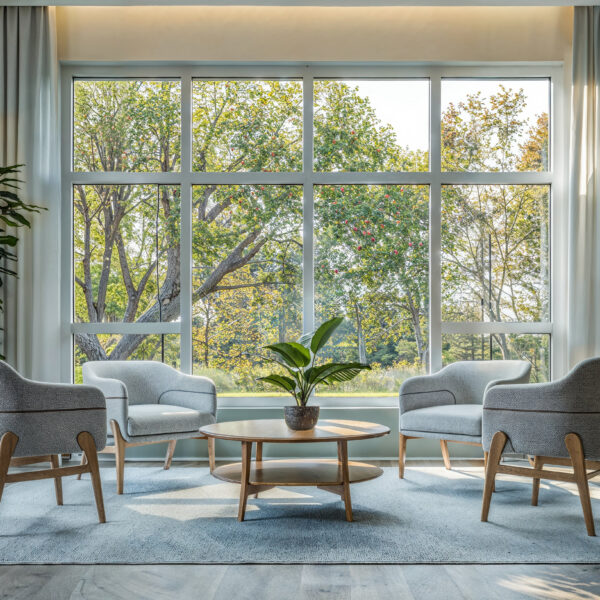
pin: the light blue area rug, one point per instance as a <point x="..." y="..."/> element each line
<point x="185" y="515"/>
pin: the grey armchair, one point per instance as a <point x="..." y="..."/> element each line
<point x="448" y="404"/>
<point x="554" y="423"/>
<point x="149" y="402"/>
<point x="39" y="421"/>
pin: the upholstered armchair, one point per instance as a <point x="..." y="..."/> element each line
<point x="447" y="405"/>
<point x="149" y="402"/>
<point x="554" y="423"/>
<point x="39" y="421"/>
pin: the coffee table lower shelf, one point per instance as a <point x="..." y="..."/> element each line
<point x="326" y="474"/>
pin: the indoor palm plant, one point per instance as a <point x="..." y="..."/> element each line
<point x="298" y="359"/>
<point x="12" y="214"/>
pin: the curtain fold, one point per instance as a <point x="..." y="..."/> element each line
<point x="583" y="331"/>
<point x="29" y="135"/>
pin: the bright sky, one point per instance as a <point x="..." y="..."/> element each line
<point x="405" y="104"/>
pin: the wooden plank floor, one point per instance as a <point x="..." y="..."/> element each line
<point x="301" y="582"/>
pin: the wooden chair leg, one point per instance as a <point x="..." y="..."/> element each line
<point x="538" y="463"/>
<point x="8" y="443"/>
<point x="83" y="462"/>
<point x="57" y="480"/>
<point x="211" y="453"/>
<point x="485" y="463"/>
<point x="119" y="454"/>
<point x="401" y="455"/>
<point x="86" y="443"/>
<point x="495" y="453"/>
<point x="575" y="448"/>
<point x="445" y="454"/>
<point x="169" y="456"/>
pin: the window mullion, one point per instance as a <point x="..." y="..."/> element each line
<point x="185" y="275"/>
<point x="308" y="280"/>
<point x="435" y="226"/>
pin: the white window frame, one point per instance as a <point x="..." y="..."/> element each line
<point x="308" y="178"/>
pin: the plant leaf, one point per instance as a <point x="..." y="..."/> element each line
<point x="333" y="372"/>
<point x="324" y="332"/>
<point x="286" y="383"/>
<point x="292" y="353"/>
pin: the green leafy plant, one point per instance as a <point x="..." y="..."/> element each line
<point x="12" y="214"/>
<point x="298" y="359"/>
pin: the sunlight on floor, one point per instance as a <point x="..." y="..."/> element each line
<point x="220" y="491"/>
<point x="191" y="512"/>
<point x="552" y="587"/>
<point x="173" y="503"/>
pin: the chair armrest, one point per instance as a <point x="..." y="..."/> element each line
<point x="38" y="396"/>
<point x="191" y="391"/>
<point x="527" y="397"/>
<point x="522" y="378"/>
<point x="115" y="393"/>
<point x="424" y="391"/>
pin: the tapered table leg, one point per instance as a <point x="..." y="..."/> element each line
<point x="245" y="478"/>
<point x="343" y="454"/>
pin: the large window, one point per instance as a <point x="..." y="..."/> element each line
<point x="215" y="211"/>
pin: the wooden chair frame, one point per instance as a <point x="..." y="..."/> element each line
<point x="8" y="444"/>
<point x="121" y="444"/>
<point x="443" y="445"/>
<point x="577" y="461"/>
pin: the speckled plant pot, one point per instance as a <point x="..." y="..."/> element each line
<point x="301" y="418"/>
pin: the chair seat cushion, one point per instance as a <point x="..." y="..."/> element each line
<point x="457" y="419"/>
<point x="156" y="419"/>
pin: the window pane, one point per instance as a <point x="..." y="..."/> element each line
<point x="368" y="125"/>
<point x="495" y="125"/>
<point x="247" y="125"/>
<point x="126" y="125"/>
<point x="162" y="348"/>
<point x="495" y="253"/>
<point x="532" y="347"/>
<point x="247" y="280"/>
<point x="119" y="231"/>
<point x="372" y="266"/>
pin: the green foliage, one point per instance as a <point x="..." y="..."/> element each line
<point x="12" y="214"/>
<point x="299" y="361"/>
<point x="371" y="241"/>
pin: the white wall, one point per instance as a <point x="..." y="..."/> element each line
<point x="258" y="33"/>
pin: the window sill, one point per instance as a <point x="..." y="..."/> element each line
<point x="337" y="402"/>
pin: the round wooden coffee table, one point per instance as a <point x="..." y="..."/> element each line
<point x="327" y="474"/>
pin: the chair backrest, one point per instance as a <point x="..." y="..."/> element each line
<point x="472" y="378"/>
<point x="145" y="380"/>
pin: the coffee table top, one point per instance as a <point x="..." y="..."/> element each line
<point x="275" y="430"/>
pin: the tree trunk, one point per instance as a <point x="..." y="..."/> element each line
<point x="415" y="315"/>
<point x="206" y="334"/>
<point x="362" y="350"/>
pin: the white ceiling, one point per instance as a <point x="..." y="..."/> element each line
<point x="345" y="3"/>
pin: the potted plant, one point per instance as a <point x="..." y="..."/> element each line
<point x="298" y="359"/>
<point x="12" y="214"/>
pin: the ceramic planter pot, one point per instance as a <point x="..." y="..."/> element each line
<point x="301" y="418"/>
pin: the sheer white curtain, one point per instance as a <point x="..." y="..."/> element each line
<point x="584" y="189"/>
<point x="29" y="135"/>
